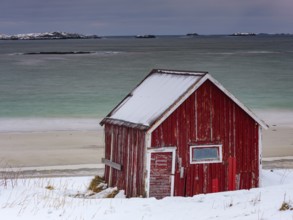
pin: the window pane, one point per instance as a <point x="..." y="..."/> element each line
<point x="208" y="153"/>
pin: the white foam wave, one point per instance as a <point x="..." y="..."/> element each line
<point x="244" y="52"/>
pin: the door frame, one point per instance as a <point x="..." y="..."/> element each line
<point x="171" y="149"/>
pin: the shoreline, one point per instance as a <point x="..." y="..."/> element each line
<point x="47" y="142"/>
<point x="98" y="169"/>
<point x="52" y="171"/>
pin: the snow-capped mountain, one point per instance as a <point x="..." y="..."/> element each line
<point x="47" y="36"/>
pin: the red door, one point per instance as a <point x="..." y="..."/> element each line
<point x="160" y="174"/>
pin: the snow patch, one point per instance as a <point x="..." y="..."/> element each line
<point x="33" y="199"/>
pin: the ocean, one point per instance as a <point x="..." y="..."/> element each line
<point x="258" y="70"/>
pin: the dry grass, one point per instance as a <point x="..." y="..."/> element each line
<point x="285" y="206"/>
<point x="34" y="195"/>
<point x="112" y="194"/>
<point x="95" y="184"/>
<point x="9" y="175"/>
<point x="98" y="185"/>
<point x="49" y="187"/>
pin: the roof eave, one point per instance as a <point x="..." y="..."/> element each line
<point x="119" y="122"/>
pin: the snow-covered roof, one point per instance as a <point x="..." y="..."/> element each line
<point x="153" y="96"/>
<point x="158" y="95"/>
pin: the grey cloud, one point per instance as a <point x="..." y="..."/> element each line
<point x="151" y="16"/>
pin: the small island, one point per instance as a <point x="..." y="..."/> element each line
<point x="47" y="36"/>
<point x="243" y="34"/>
<point x="145" y="36"/>
<point x="192" y="34"/>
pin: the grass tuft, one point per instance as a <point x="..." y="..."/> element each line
<point x="49" y="187"/>
<point x="285" y="206"/>
<point x="112" y="194"/>
<point x="95" y="184"/>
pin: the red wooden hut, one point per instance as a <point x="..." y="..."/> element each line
<point x="181" y="133"/>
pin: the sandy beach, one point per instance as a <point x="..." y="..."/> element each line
<point x="75" y="147"/>
<point x="52" y="148"/>
<point x="278" y="138"/>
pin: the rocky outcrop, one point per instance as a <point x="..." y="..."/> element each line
<point x="47" y="36"/>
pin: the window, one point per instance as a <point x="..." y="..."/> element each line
<point x="205" y="154"/>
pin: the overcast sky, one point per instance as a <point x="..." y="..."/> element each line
<point x="131" y="17"/>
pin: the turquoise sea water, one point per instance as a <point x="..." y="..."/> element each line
<point x="257" y="70"/>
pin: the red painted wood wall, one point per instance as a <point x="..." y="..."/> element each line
<point x="128" y="150"/>
<point x="208" y="116"/>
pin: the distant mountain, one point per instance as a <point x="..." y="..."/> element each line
<point x="47" y="36"/>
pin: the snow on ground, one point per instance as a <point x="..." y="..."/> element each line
<point x="63" y="198"/>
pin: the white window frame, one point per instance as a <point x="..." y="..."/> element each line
<point x="219" y="146"/>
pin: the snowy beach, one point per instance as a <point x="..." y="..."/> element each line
<point x="71" y="149"/>
<point x="74" y="142"/>
<point x="51" y="107"/>
<point x="68" y="198"/>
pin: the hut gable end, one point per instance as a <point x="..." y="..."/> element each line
<point x="210" y="118"/>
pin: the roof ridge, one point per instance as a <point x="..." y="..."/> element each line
<point x="179" y="72"/>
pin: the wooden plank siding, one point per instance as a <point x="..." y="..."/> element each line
<point x="209" y="116"/>
<point x="128" y="149"/>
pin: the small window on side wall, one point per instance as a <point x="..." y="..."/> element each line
<point x="205" y="154"/>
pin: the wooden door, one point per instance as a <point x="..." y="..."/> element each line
<point x="161" y="174"/>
